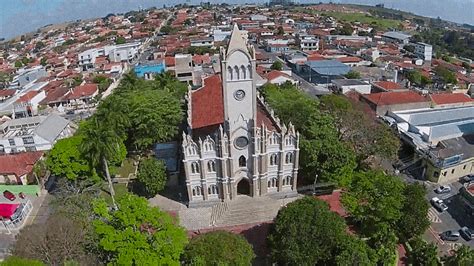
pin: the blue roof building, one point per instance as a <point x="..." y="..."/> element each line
<point x="324" y="71"/>
<point x="147" y="71"/>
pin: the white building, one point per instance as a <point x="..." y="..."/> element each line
<point x="235" y="145"/>
<point x="308" y="42"/>
<point x="346" y="85"/>
<point x="424" y="51"/>
<point x="116" y="53"/>
<point x="36" y="133"/>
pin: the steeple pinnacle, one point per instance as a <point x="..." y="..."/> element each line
<point x="236" y="41"/>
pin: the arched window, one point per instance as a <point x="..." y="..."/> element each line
<point x="249" y="72"/>
<point x="197" y="191"/>
<point x="244" y="72"/>
<point x="230" y="73"/>
<point x="273" y="182"/>
<point x="195" y="168"/>
<point x="289" y="157"/>
<point x="273" y="139"/>
<point x="192" y="150"/>
<point x="274" y="159"/>
<point x="212" y="190"/>
<point x="237" y="74"/>
<point x="287" y="181"/>
<point x="211" y="167"/>
<point x="208" y="146"/>
<point x="242" y="161"/>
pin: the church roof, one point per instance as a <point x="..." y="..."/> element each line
<point x="207" y="103"/>
<point x="236" y="40"/>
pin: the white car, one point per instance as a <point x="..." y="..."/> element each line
<point x="439" y="204"/>
<point x="443" y="189"/>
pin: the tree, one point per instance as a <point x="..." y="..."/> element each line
<point x="423" y="253"/>
<point x="277" y="65"/>
<point x="137" y="234"/>
<point x="17" y="261"/>
<point x="101" y="146"/>
<point x="463" y="256"/>
<point x="120" y="40"/>
<point x="40" y="45"/>
<point x="232" y="249"/>
<point x="306" y="232"/>
<point x="353" y="75"/>
<point x="414" y="219"/>
<point x="66" y="160"/>
<point x="60" y="239"/>
<point x="44" y="61"/>
<point x="409" y="48"/>
<point x="467" y="66"/>
<point x="151" y="176"/>
<point x="102" y="81"/>
<point x="280" y="30"/>
<point x="447" y="75"/>
<point x="354" y="251"/>
<point x="18" y="64"/>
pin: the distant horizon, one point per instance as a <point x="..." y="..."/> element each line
<point x="24" y="16"/>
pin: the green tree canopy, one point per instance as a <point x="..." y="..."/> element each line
<point x="218" y="248"/>
<point x="120" y="40"/>
<point x="306" y="232"/>
<point x="137" y="234"/>
<point x="463" y="256"/>
<point x="17" y="261"/>
<point x="66" y="160"/>
<point x="277" y="65"/>
<point x="414" y="219"/>
<point x="423" y="253"/>
<point x="353" y="75"/>
<point x="151" y="176"/>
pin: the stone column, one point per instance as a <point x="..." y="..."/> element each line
<point x="203" y="172"/>
<point x="190" y="191"/>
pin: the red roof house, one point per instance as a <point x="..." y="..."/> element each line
<point x="451" y="99"/>
<point x="16" y="166"/>
<point x="383" y="102"/>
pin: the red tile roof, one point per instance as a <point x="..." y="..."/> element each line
<point x="263" y="117"/>
<point x="450" y="98"/>
<point x="388" y="85"/>
<point x="207" y="103"/>
<point x="170" y="61"/>
<point x="27" y="97"/>
<point x="392" y="97"/>
<point x="275" y="74"/>
<point x="83" y="91"/>
<point x="7" y="93"/>
<point x="349" y="59"/>
<point x="19" y="164"/>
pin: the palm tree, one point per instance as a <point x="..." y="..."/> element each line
<point x="101" y="143"/>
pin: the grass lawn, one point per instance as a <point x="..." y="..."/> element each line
<point x="364" y="19"/>
<point x="120" y="189"/>
<point x="126" y="168"/>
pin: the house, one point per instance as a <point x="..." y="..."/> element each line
<point x="6" y="94"/>
<point x="396" y="37"/>
<point x="28" y="103"/>
<point x="307" y="42"/>
<point x="346" y="85"/>
<point x="383" y="102"/>
<point x="116" y="53"/>
<point x="451" y="100"/>
<point x="202" y="42"/>
<point x="16" y="167"/>
<point x="82" y="96"/>
<point x="234" y="144"/>
<point x="184" y="67"/>
<point x="278" y="77"/>
<point x="385" y="86"/>
<point x="35" y="133"/>
<point x="27" y="76"/>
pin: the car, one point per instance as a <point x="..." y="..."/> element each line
<point x="450" y="235"/>
<point x="70" y="112"/>
<point x="468" y="178"/>
<point x="467" y="233"/>
<point x="439" y="204"/>
<point x="443" y="189"/>
<point x="7" y="194"/>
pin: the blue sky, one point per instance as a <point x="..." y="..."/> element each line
<point x="20" y="16"/>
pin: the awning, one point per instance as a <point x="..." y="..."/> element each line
<point x="7" y="210"/>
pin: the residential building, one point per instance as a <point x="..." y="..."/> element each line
<point x="27" y="76"/>
<point x="279" y="77"/>
<point x="386" y="86"/>
<point x="235" y="145"/>
<point x="324" y="71"/>
<point x="308" y="42"/>
<point x="27" y="104"/>
<point x="442" y="100"/>
<point x="16" y="167"/>
<point x="396" y="37"/>
<point x="467" y="197"/>
<point x="346" y="85"/>
<point x="184" y="67"/>
<point x="36" y="133"/>
<point x="424" y="51"/>
<point x="383" y="102"/>
<point x="202" y="42"/>
<point x="116" y="53"/>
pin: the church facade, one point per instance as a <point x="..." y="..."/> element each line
<point x="234" y="143"/>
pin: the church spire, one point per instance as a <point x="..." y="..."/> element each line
<point x="236" y="41"/>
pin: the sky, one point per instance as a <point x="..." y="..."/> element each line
<point x="21" y="16"/>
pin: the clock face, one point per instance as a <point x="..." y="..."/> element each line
<point x="239" y="95"/>
<point x="241" y="142"/>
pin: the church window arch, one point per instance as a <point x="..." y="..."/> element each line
<point x="237" y="73"/>
<point x="242" y="161"/>
<point x="244" y="72"/>
<point x="274" y="159"/>
<point x="286" y="181"/>
<point x="230" y="73"/>
<point x="289" y="157"/>
<point x="213" y="190"/>
<point x="211" y="167"/>
<point x="192" y="150"/>
<point x="197" y="191"/>
<point x="272" y="182"/>
<point x="195" y="168"/>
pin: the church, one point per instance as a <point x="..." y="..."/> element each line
<point x="234" y="144"/>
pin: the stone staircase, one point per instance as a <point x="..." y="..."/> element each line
<point x="217" y="211"/>
<point x="246" y="210"/>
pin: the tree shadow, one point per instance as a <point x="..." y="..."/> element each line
<point x="257" y="237"/>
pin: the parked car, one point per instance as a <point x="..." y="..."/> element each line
<point x="467" y="233"/>
<point x="443" y="189"/>
<point x="7" y="194"/>
<point x="450" y="235"/>
<point x="439" y="204"/>
<point x="468" y="178"/>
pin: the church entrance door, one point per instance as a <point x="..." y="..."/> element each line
<point x="243" y="187"/>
